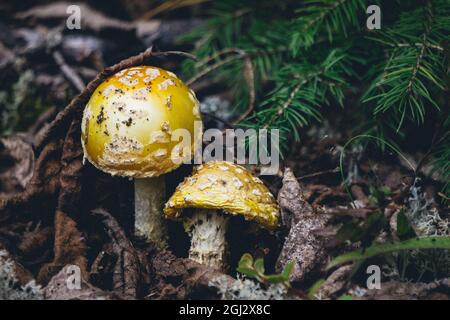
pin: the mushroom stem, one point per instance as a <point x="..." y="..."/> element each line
<point x="207" y="229"/>
<point x="148" y="206"/>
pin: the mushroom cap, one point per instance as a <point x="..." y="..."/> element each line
<point x="226" y="186"/>
<point x="128" y="122"/>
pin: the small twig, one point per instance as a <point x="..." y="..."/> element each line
<point x="437" y="130"/>
<point x="323" y="14"/>
<point x="211" y="68"/>
<point x="68" y="72"/>
<point x="443" y="196"/>
<point x="287" y="103"/>
<point x="218" y="54"/>
<point x="429" y="16"/>
<point x="417" y="44"/>
<point x="249" y="74"/>
<point x="176" y="53"/>
<point x="209" y="115"/>
<point x="170" y="5"/>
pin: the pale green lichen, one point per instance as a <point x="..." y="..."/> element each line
<point x="425" y="219"/>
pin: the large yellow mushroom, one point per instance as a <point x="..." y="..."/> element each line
<point x="127" y="129"/>
<point x="214" y="188"/>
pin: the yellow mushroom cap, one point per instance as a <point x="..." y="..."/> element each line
<point x="226" y="186"/>
<point x="128" y="122"/>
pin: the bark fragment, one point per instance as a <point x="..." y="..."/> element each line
<point x="70" y="246"/>
<point x="61" y="287"/>
<point x="302" y="245"/>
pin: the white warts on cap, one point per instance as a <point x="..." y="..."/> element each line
<point x="159" y="137"/>
<point x="165" y="126"/>
<point x="152" y="74"/>
<point x="120" y="151"/>
<point x="141" y="94"/>
<point x="173" y="75"/>
<point x="237" y="183"/>
<point x="165" y="84"/>
<point x="135" y="72"/>
<point x="196" y="110"/>
<point x="256" y="192"/>
<point x="129" y="81"/>
<point x="257" y="180"/>
<point x="159" y="153"/>
<point x="120" y="73"/>
<point x="109" y="89"/>
<point x="169" y="101"/>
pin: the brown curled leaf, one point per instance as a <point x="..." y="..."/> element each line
<point x="126" y="271"/>
<point x="16" y="165"/>
<point x="70" y="246"/>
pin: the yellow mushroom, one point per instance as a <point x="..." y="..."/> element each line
<point x="127" y="131"/>
<point x="216" y="186"/>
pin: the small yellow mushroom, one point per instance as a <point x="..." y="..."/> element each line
<point x="219" y="186"/>
<point x="126" y="131"/>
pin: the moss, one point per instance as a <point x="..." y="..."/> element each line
<point x="19" y="104"/>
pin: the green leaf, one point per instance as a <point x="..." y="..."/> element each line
<point x="259" y="266"/>
<point x="377" y="249"/>
<point x="315" y="287"/>
<point x="404" y="229"/>
<point x="246" y="261"/>
<point x="274" y="278"/>
<point x="386" y="191"/>
<point x="288" y="268"/>
<point x="255" y="269"/>
<point x="245" y="266"/>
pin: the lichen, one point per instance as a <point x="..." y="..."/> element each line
<point x="10" y="288"/>
<point x="425" y="219"/>
<point x="246" y="289"/>
<point x="20" y="104"/>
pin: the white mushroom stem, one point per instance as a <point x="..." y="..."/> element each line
<point x="207" y="229"/>
<point x="148" y="210"/>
